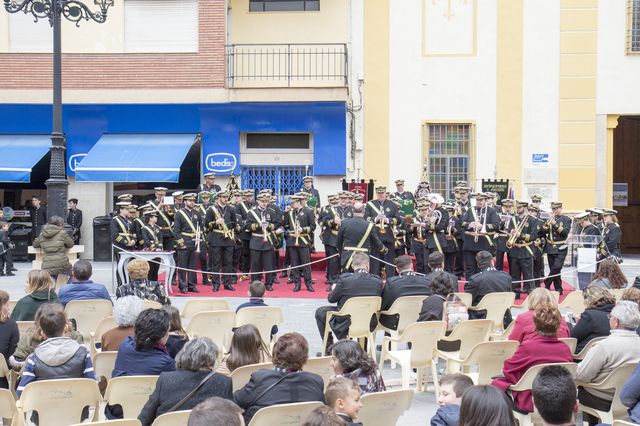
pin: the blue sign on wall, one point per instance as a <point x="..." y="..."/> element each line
<point x="540" y="158"/>
<point x="220" y="125"/>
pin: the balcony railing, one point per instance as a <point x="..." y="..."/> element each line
<point x="286" y="65"/>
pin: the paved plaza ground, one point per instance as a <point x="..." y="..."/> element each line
<point x="298" y="316"/>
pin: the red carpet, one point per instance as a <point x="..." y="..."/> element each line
<point x="286" y="290"/>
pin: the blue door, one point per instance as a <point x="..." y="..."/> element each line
<point x="282" y="180"/>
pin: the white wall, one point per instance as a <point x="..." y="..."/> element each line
<point x="92" y="200"/>
<point x="618" y="87"/>
<point x="439" y="88"/>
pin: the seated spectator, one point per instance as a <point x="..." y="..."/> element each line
<point x="609" y="275"/>
<point x="555" y="396"/>
<point x="524" y="327"/>
<point x="542" y="348"/>
<point x="145" y="354"/>
<point x="40" y="290"/>
<point x="177" y="336"/>
<point x="216" y="411"/>
<point x="631" y="294"/>
<point x="194" y="365"/>
<point x="81" y="287"/>
<point x="284" y="384"/>
<point x="452" y="386"/>
<point x="594" y="321"/>
<point x="432" y="306"/>
<point x="436" y="265"/>
<point x="630" y="395"/>
<point x="352" y="284"/>
<point x="488" y="280"/>
<point x="125" y="311"/>
<point x="406" y="283"/>
<point x="9" y="334"/>
<point x="30" y="339"/>
<point x="58" y="357"/>
<point x="485" y="406"/>
<point x="622" y="346"/>
<point x="323" y="416"/>
<point x="256" y="298"/>
<point x="343" y="395"/>
<point x="139" y="284"/>
<point x="246" y="348"/>
<point x="54" y="242"/>
<point x="350" y="361"/>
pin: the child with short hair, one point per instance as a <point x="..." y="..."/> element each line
<point x="256" y="298"/>
<point x="343" y="395"/>
<point x="58" y="357"/>
<point x="452" y="386"/>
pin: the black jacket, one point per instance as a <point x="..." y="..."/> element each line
<point x="390" y="210"/>
<point x="594" y="322"/>
<point x="432" y="308"/>
<point x="217" y="236"/>
<point x="405" y="284"/>
<point x="487" y="281"/>
<point x="172" y="386"/>
<point x="351" y="233"/>
<point x="305" y="221"/>
<point x="453" y="280"/>
<point x="356" y="284"/>
<point x="299" y="386"/>
<point x="485" y="242"/>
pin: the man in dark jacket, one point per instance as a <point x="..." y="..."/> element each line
<point x="488" y="280"/>
<point x="436" y="264"/>
<point x="81" y="287"/>
<point x="356" y="235"/>
<point x="356" y="284"/>
<point x="38" y="214"/>
<point x="74" y="219"/>
<point x="406" y="283"/>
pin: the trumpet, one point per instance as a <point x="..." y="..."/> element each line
<point x="198" y="238"/>
<point x="518" y="230"/>
<point x="264" y="224"/>
<point x="483" y="229"/>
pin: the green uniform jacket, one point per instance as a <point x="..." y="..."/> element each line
<point x="54" y="241"/>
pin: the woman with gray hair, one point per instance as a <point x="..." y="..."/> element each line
<point x="620" y="347"/>
<point x="193" y="382"/>
<point x="125" y="311"/>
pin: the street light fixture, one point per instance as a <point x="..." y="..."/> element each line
<point x="54" y="10"/>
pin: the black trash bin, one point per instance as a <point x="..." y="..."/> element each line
<point x="102" y="239"/>
<point x="20" y="235"/>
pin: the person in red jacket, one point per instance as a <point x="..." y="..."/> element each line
<point x="525" y="328"/>
<point x="543" y="348"/>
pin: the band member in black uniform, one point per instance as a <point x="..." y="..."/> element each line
<point x="536" y="201"/>
<point x="556" y="230"/>
<point x="314" y="196"/>
<point x="462" y="204"/>
<point x="121" y="236"/>
<point x="332" y="221"/>
<point x="500" y="238"/>
<point x="263" y="222"/>
<point x="418" y="227"/>
<point x="523" y="234"/>
<point x="537" y="246"/>
<point x="74" y="219"/>
<point x="242" y="210"/>
<point x="209" y="184"/>
<point x="451" y="238"/>
<point x="612" y="234"/>
<point x="221" y="222"/>
<point x="136" y="226"/>
<point x="436" y="227"/>
<point x="588" y="232"/>
<point x="187" y="229"/>
<point x="407" y="206"/>
<point x="151" y="240"/>
<point x="479" y="224"/>
<point x="400" y="192"/>
<point x="177" y="200"/>
<point x="236" y="197"/>
<point x="278" y="238"/>
<point x="38" y="214"/>
<point x="165" y="216"/>
<point x="205" y="254"/>
<point x="356" y="235"/>
<point x="595" y="216"/>
<point x="299" y="222"/>
<point x="384" y="215"/>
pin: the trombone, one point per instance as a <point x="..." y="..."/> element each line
<point x="483" y="230"/>
<point x="517" y="231"/>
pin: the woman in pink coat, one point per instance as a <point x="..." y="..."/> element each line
<point x="524" y="327"/>
<point x="543" y="348"/>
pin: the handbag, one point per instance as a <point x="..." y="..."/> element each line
<point x="190" y="394"/>
<point x="454" y="311"/>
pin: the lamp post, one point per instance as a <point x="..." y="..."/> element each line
<point x="54" y="10"/>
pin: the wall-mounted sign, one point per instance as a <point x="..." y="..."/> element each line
<point x="540" y="159"/>
<point x="74" y="160"/>
<point x="621" y="194"/>
<point x="221" y="162"/>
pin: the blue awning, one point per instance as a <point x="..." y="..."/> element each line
<point x="18" y="155"/>
<point x="136" y="158"/>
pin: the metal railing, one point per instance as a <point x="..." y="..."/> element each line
<point x="286" y="65"/>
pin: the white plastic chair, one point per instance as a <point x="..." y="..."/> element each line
<point x="284" y="414"/>
<point x="203" y="304"/>
<point x="469" y="333"/>
<point x="103" y="326"/>
<point x="175" y="418"/>
<point x="384" y="408"/>
<point x="88" y="314"/>
<point x="496" y="304"/>
<point x="320" y="366"/>
<point x="263" y="317"/>
<point x="593" y="342"/>
<point x="241" y="375"/>
<point x="104" y="363"/>
<point x="216" y="325"/>
<point x="131" y="392"/>
<point x="408" y="309"/>
<point x="489" y="358"/>
<point x="574" y="302"/>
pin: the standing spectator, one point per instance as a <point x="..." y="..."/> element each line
<point x="630" y="395"/>
<point x="38" y="215"/>
<point x="485" y="406"/>
<point x="343" y="395"/>
<point x="622" y="346"/>
<point x="6" y="251"/>
<point x="555" y="396"/>
<point x="609" y="275"/>
<point x="139" y="284"/>
<point x="594" y="321"/>
<point x="433" y="306"/>
<point x="125" y="312"/>
<point x="74" y="219"/>
<point x="350" y="361"/>
<point x="246" y="348"/>
<point x="285" y="383"/>
<point x="9" y="334"/>
<point x="39" y="291"/>
<point x="540" y="349"/>
<point x="452" y="386"/>
<point x="194" y="365"/>
<point x="58" y="357"/>
<point x="524" y="327"/>
<point x="54" y="242"/>
<point x="177" y="336"/>
<point x="256" y="298"/>
<point x="81" y="287"/>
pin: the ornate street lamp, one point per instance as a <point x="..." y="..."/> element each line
<point x="54" y="10"/>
